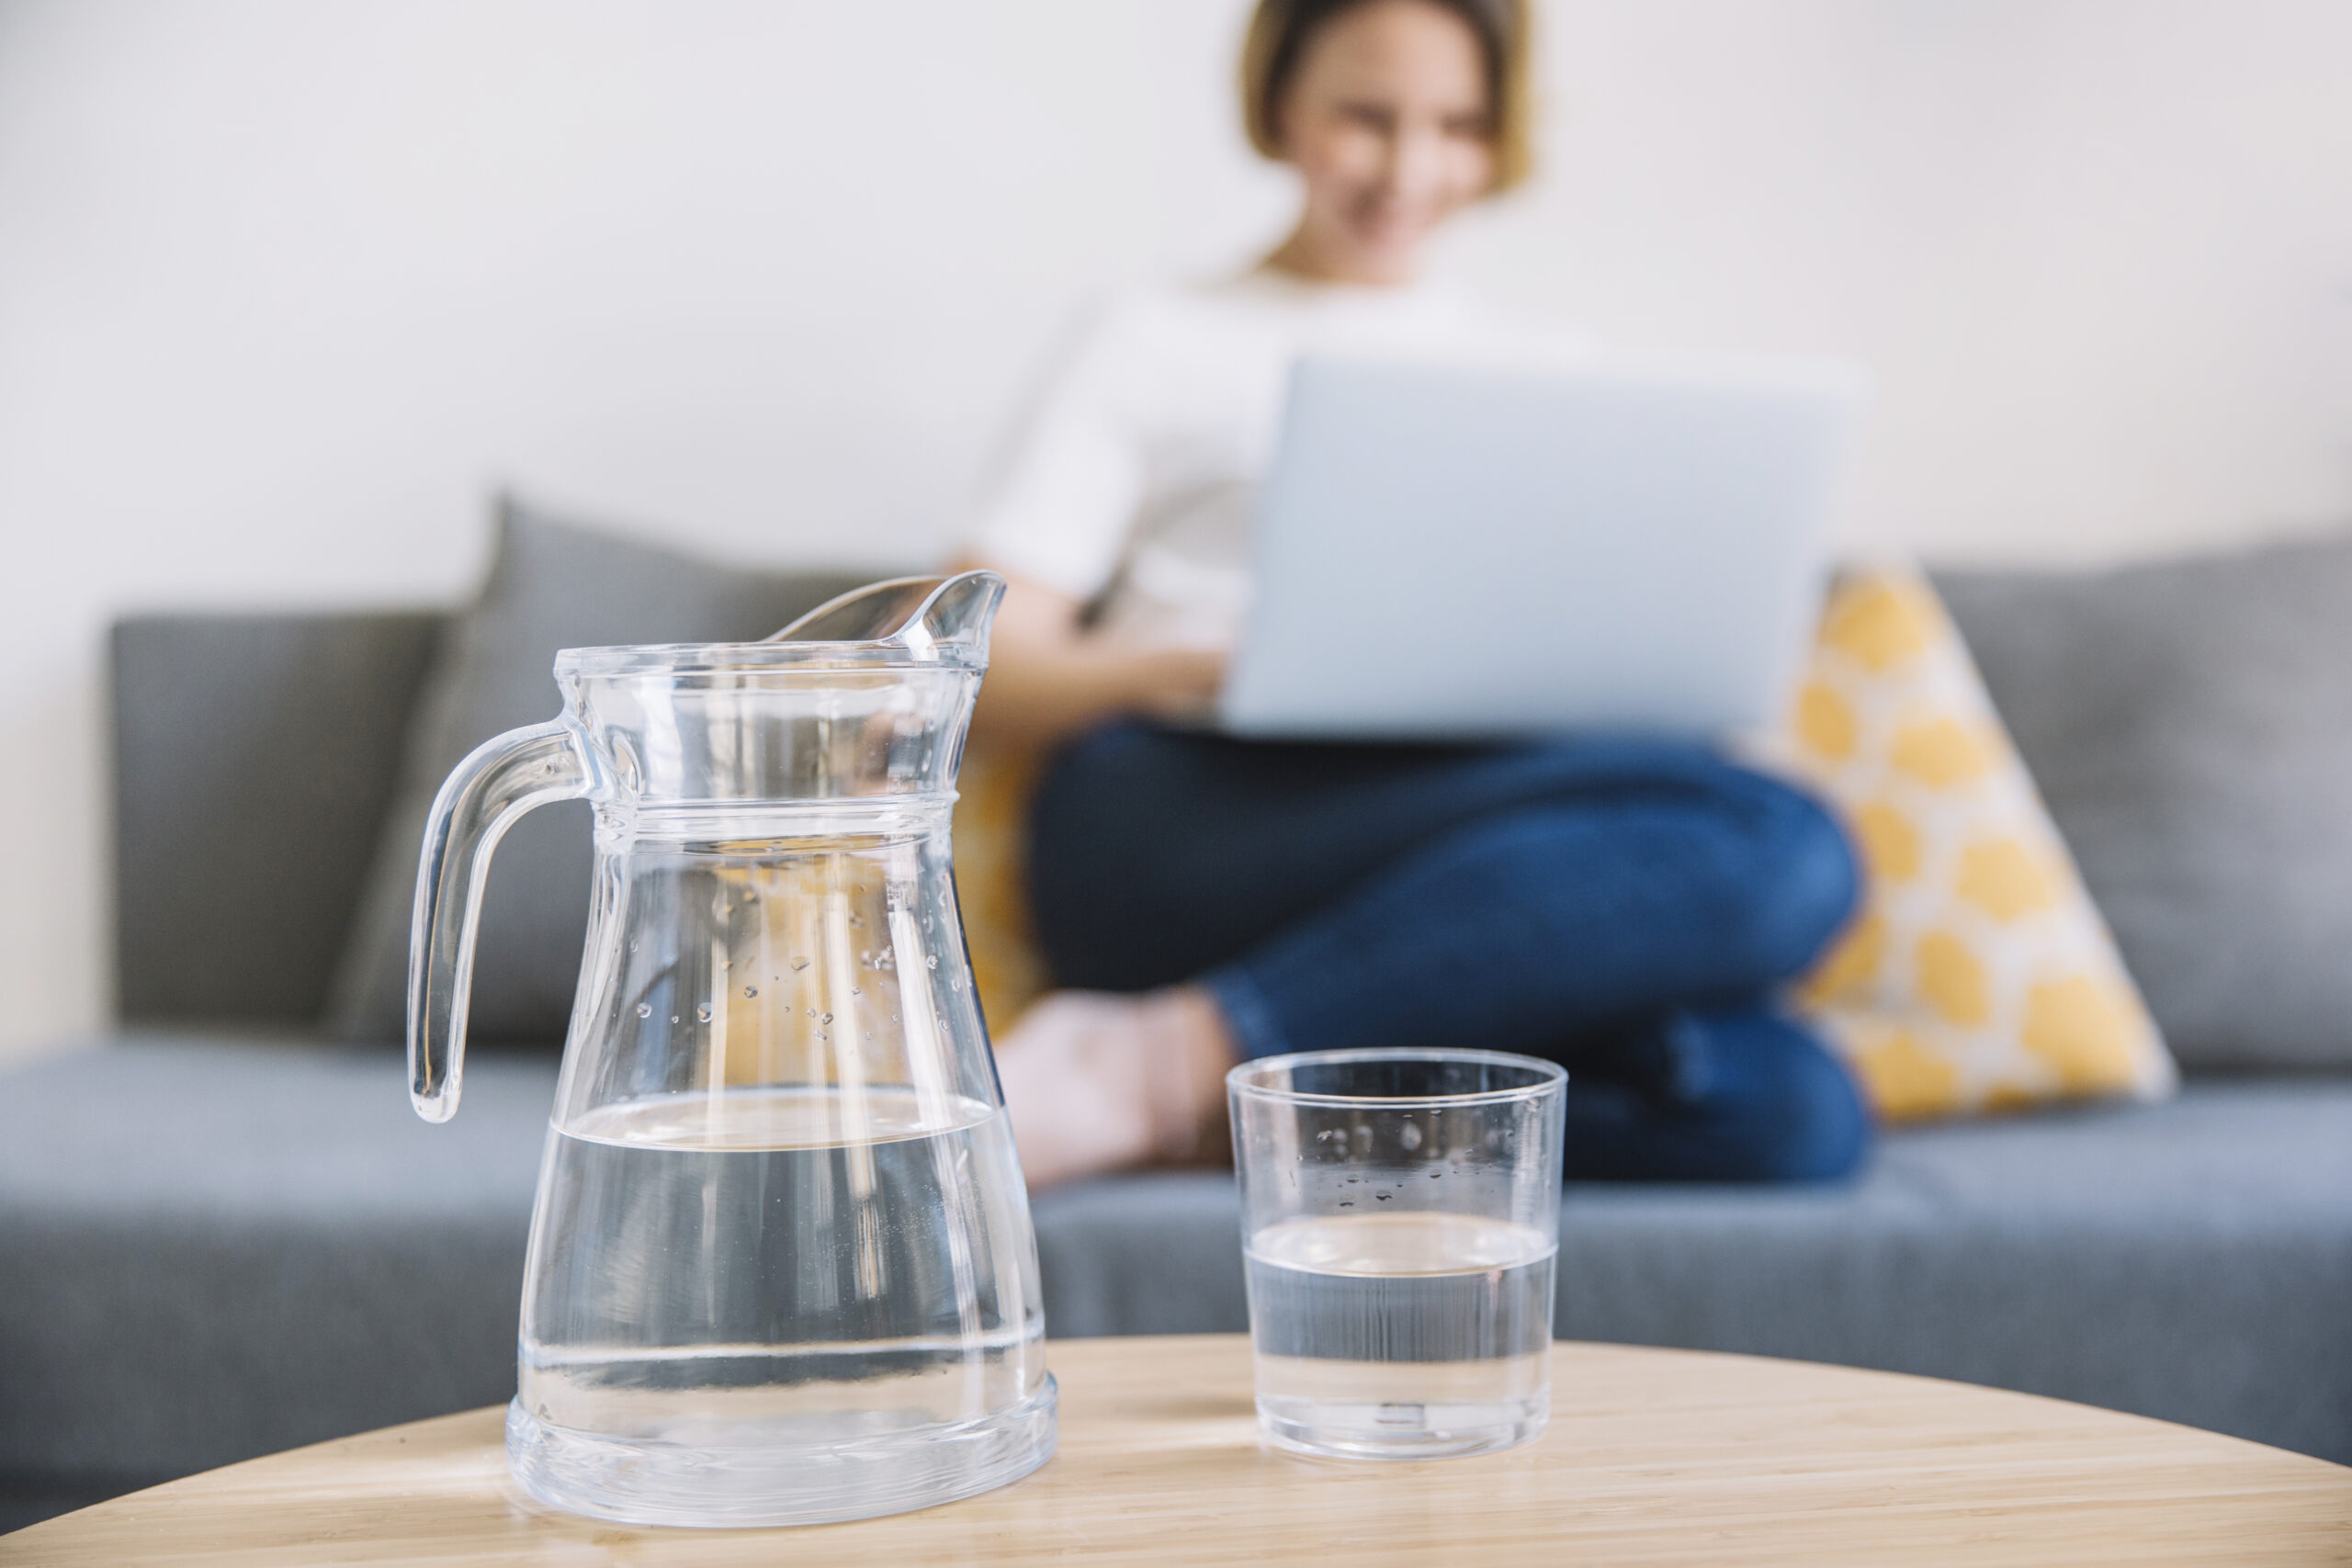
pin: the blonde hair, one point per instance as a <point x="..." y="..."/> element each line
<point x="1280" y="31"/>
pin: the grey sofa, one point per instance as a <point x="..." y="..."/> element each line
<point x="222" y="1234"/>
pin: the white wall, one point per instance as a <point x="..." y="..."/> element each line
<point x="285" y="287"/>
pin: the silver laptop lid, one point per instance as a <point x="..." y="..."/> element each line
<point x="1464" y="551"/>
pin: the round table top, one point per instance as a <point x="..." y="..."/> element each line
<point x="1652" y="1457"/>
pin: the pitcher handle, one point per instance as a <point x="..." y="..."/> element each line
<point x="504" y="777"/>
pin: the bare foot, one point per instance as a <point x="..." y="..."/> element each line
<point x="1098" y="1082"/>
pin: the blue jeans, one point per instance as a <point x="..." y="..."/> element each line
<point x="1626" y="908"/>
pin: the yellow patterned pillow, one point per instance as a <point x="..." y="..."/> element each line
<point x="992" y="881"/>
<point x="1977" y="974"/>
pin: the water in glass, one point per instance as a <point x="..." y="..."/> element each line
<point x="1409" y="1323"/>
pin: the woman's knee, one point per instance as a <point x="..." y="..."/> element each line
<point x="1805" y="880"/>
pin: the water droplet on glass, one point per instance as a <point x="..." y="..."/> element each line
<point x="855" y="918"/>
<point x="1380" y="1197"/>
<point x="1409" y="1136"/>
<point x="930" y="961"/>
<point x="1347" y="1203"/>
<point x="824" y="1018"/>
<point x="811" y="1011"/>
<point x="645" y="1009"/>
<point x="856" y="991"/>
<point x="1435" y="1174"/>
<point x="798" y="964"/>
<point x="703" y="1012"/>
<point x="751" y="991"/>
<point x="673" y="1018"/>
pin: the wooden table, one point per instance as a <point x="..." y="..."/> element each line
<point x="1653" y="1456"/>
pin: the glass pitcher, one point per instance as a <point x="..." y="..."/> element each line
<point x="781" y="1267"/>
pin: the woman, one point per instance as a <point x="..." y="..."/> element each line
<point x="1626" y="908"/>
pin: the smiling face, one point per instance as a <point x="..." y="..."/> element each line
<point x="1388" y="121"/>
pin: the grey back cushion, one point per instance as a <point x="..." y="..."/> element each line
<point x="2190" y="724"/>
<point x="551" y="586"/>
<point x="254" y="757"/>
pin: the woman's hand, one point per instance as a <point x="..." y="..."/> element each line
<point x="1049" y="678"/>
<point x="1179" y="684"/>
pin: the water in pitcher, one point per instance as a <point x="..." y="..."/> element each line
<point x="781" y="1269"/>
<point x="1411" y="1335"/>
<point x="731" y="1277"/>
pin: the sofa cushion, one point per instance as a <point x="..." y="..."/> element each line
<point x="551" y="586"/>
<point x="2190" y="1261"/>
<point x="254" y="760"/>
<point x="2190" y="724"/>
<point x="217" y="1249"/>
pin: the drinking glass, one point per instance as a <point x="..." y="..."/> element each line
<point x="1400" y="1215"/>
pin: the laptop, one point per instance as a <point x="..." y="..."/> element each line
<point x="1454" y="552"/>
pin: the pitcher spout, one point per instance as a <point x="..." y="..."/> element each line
<point x="929" y="616"/>
<point x="959" y="613"/>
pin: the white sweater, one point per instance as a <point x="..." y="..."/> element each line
<point x="1134" y="481"/>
